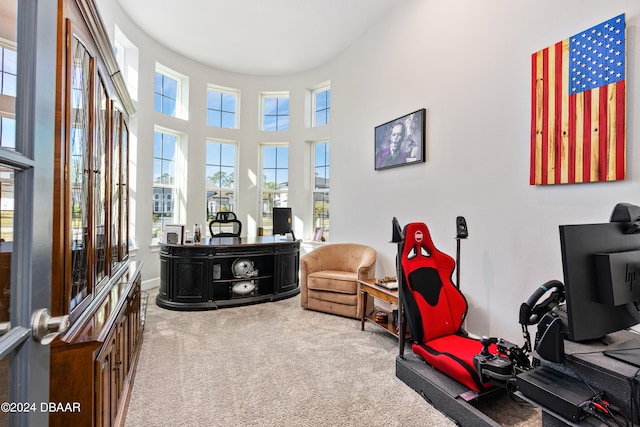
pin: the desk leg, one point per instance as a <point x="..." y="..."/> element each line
<point x="364" y="295"/>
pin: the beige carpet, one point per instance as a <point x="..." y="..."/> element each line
<point x="272" y="364"/>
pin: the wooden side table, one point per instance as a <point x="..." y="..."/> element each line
<point x="369" y="287"/>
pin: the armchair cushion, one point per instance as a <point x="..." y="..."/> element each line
<point x="343" y="282"/>
<point x="329" y="277"/>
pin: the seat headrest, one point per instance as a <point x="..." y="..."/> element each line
<point x="225" y="216"/>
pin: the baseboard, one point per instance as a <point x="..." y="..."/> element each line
<point x="150" y="284"/>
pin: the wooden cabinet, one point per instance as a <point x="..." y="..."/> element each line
<point x="93" y="280"/>
<point x="200" y="277"/>
<point x="94" y="362"/>
<point x="91" y="162"/>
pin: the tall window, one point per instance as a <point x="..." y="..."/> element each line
<point x="222" y="105"/>
<point x="321" y="106"/>
<point x="8" y="71"/>
<point x="321" y="187"/>
<point x="171" y="92"/>
<point x="165" y="190"/>
<point x="275" y="111"/>
<point x="220" y="175"/>
<point x="7" y="132"/>
<point x="165" y="94"/>
<point x="275" y="181"/>
<point x="127" y="55"/>
<point x="8" y="81"/>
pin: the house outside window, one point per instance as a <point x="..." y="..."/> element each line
<point x="222" y="107"/>
<point x="321" y="188"/>
<point x="275" y="111"/>
<point x="275" y="182"/>
<point x="165" y="189"/>
<point x="220" y="175"/>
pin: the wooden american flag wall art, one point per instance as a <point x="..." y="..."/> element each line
<point x="578" y="91"/>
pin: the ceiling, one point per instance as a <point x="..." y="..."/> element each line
<point x="257" y="37"/>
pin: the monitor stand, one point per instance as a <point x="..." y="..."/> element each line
<point x="286" y="237"/>
<point x="628" y="351"/>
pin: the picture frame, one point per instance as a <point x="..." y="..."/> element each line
<point x="401" y="141"/>
<point x="177" y="234"/>
<point x="317" y="234"/>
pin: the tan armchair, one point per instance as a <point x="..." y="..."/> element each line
<point x="329" y="278"/>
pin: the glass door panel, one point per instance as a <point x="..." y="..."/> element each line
<point x="100" y="176"/>
<point x="124" y="196"/>
<point x="79" y="168"/>
<point x="115" y="190"/>
<point x="8" y="82"/>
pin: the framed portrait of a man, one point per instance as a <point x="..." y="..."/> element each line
<point x="401" y="141"/>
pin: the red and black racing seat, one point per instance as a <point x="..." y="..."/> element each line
<point x="435" y="310"/>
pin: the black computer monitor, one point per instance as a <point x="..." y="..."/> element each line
<point x="282" y="222"/>
<point x="597" y="306"/>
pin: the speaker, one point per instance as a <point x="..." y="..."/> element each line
<point x="461" y="228"/>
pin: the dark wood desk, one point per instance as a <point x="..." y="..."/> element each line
<point x="200" y="277"/>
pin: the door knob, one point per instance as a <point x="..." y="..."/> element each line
<point x="4" y="327"/>
<point x="45" y="328"/>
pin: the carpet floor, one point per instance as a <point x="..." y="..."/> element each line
<point x="273" y="364"/>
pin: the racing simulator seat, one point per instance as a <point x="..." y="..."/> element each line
<point x="468" y="369"/>
<point x="435" y="310"/>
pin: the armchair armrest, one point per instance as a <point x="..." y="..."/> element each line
<point x="367" y="267"/>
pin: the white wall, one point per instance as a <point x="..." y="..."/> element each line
<point x="468" y="63"/>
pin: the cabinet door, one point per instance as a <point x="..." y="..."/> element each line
<point x="100" y="181"/>
<point x="134" y="321"/>
<point x="122" y="352"/>
<point x="165" y="274"/>
<point x="287" y="271"/>
<point x="78" y="202"/>
<point x="105" y="390"/>
<point x="190" y="275"/>
<point x="116" y="189"/>
<point x="124" y="191"/>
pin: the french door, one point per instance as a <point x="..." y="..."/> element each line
<point x="27" y="126"/>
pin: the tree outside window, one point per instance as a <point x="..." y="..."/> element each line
<point x="275" y="182"/>
<point x="220" y="176"/>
